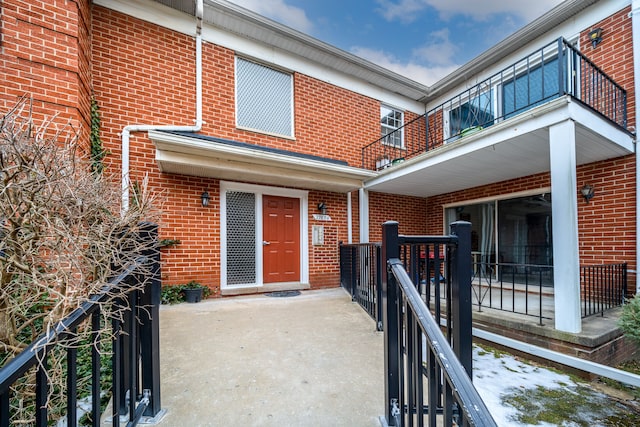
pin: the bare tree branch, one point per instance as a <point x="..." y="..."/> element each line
<point x="61" y="237"/>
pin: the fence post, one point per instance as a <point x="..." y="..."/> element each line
<point x="390" y="317"/>
<point x="426" y="132"/>
<point x="561" y="67"/>
<point x="150" y="319"/>
<point x="461" y="293"/>
<point x="355" y="263"/>
<point x="377" y="250"/>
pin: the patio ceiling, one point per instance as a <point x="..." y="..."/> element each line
<point x="515" y="148"/>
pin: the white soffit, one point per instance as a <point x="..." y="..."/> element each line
<point x="180" y="154"/>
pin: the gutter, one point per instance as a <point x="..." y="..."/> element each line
<point x="127" y="130"/>
<point x="635" y="25"/>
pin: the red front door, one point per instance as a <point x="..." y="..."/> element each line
<point x="280" y="239"/>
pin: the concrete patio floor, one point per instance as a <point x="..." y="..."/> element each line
<point x="309" y="360"/>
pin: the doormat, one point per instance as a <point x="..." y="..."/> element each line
<point x="281" y="294"/>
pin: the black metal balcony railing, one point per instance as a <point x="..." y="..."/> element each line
<point x="135" y="389"/>
<point x="553" y="71"/>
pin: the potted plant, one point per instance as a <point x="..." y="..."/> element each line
<point x="194" y="291"/>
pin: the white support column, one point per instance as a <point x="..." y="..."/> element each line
<point x="566" y="263"/>
<point x="363" y="204"/>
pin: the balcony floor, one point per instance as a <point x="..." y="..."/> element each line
<point x="311" y="359"/>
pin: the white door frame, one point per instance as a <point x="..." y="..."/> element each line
<point x="259" y="191"/>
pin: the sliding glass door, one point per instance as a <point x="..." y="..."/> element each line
<point x="511" y="231"/>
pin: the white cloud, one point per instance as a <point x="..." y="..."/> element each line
<point x="407" y="10"/>
<point x="414" y="70"/>
<point x="280" y="11"/>
<point x="403" y="11"/>
<point x="428" y="64"/>
<point x="439" y="51"/>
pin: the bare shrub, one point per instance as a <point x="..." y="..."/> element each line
<point x="61" y="237"/>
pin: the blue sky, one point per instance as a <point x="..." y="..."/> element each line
<point x="421" y="39"/>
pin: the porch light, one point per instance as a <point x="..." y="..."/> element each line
<point x="595" y="36"/>
<point x="322" y="207"/>
<point x="587" y="192"/>
<point x="205" y="199"/>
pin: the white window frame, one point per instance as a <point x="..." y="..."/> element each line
<point x="391" y="128"/>
<point x="259" y="191"/>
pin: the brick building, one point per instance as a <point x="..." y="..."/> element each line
<point x="299" y="145"/>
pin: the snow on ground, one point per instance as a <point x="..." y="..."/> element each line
<point x="494" y="376"/>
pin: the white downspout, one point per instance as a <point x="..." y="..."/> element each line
<point x="127" y="130"/>
<point x="349" y="219"/>
<point x="635" y="26"/>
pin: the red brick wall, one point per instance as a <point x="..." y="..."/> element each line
<point x="197" y="257"/>
<point x="611" y="353"/>
<point x="614" y="55"/>
<point x="85" y="78"/>
<point x="409" y="212"/>
<point x="324" y="262"/>
<point x="607" y="225"/>
<point x="41" y="56"/>
<point x="333" y="122"/>
<point x="355" y="217"/>
<point x="329" y="121"/>
<point x="435" y="205"/>
<point x="144" y="74"/>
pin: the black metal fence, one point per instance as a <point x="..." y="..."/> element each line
<point x="360" y="276"/>
<point x="135" y="360"/>
<point x="517" y="288"/>
<point x="528" y="289"/>
<point x="553" y="71"/>
<point x="602" y="287"/>
<point x="415" y="347"/>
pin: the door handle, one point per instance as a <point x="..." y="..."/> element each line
<point x="265" y="243"/>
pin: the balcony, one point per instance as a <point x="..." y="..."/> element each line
<point x="516" y="105"/>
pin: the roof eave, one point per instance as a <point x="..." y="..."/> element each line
<point x="239" y="20"/>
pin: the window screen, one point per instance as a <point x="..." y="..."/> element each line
<point x="241" y="238"/>
<point x="264" y="98"/>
